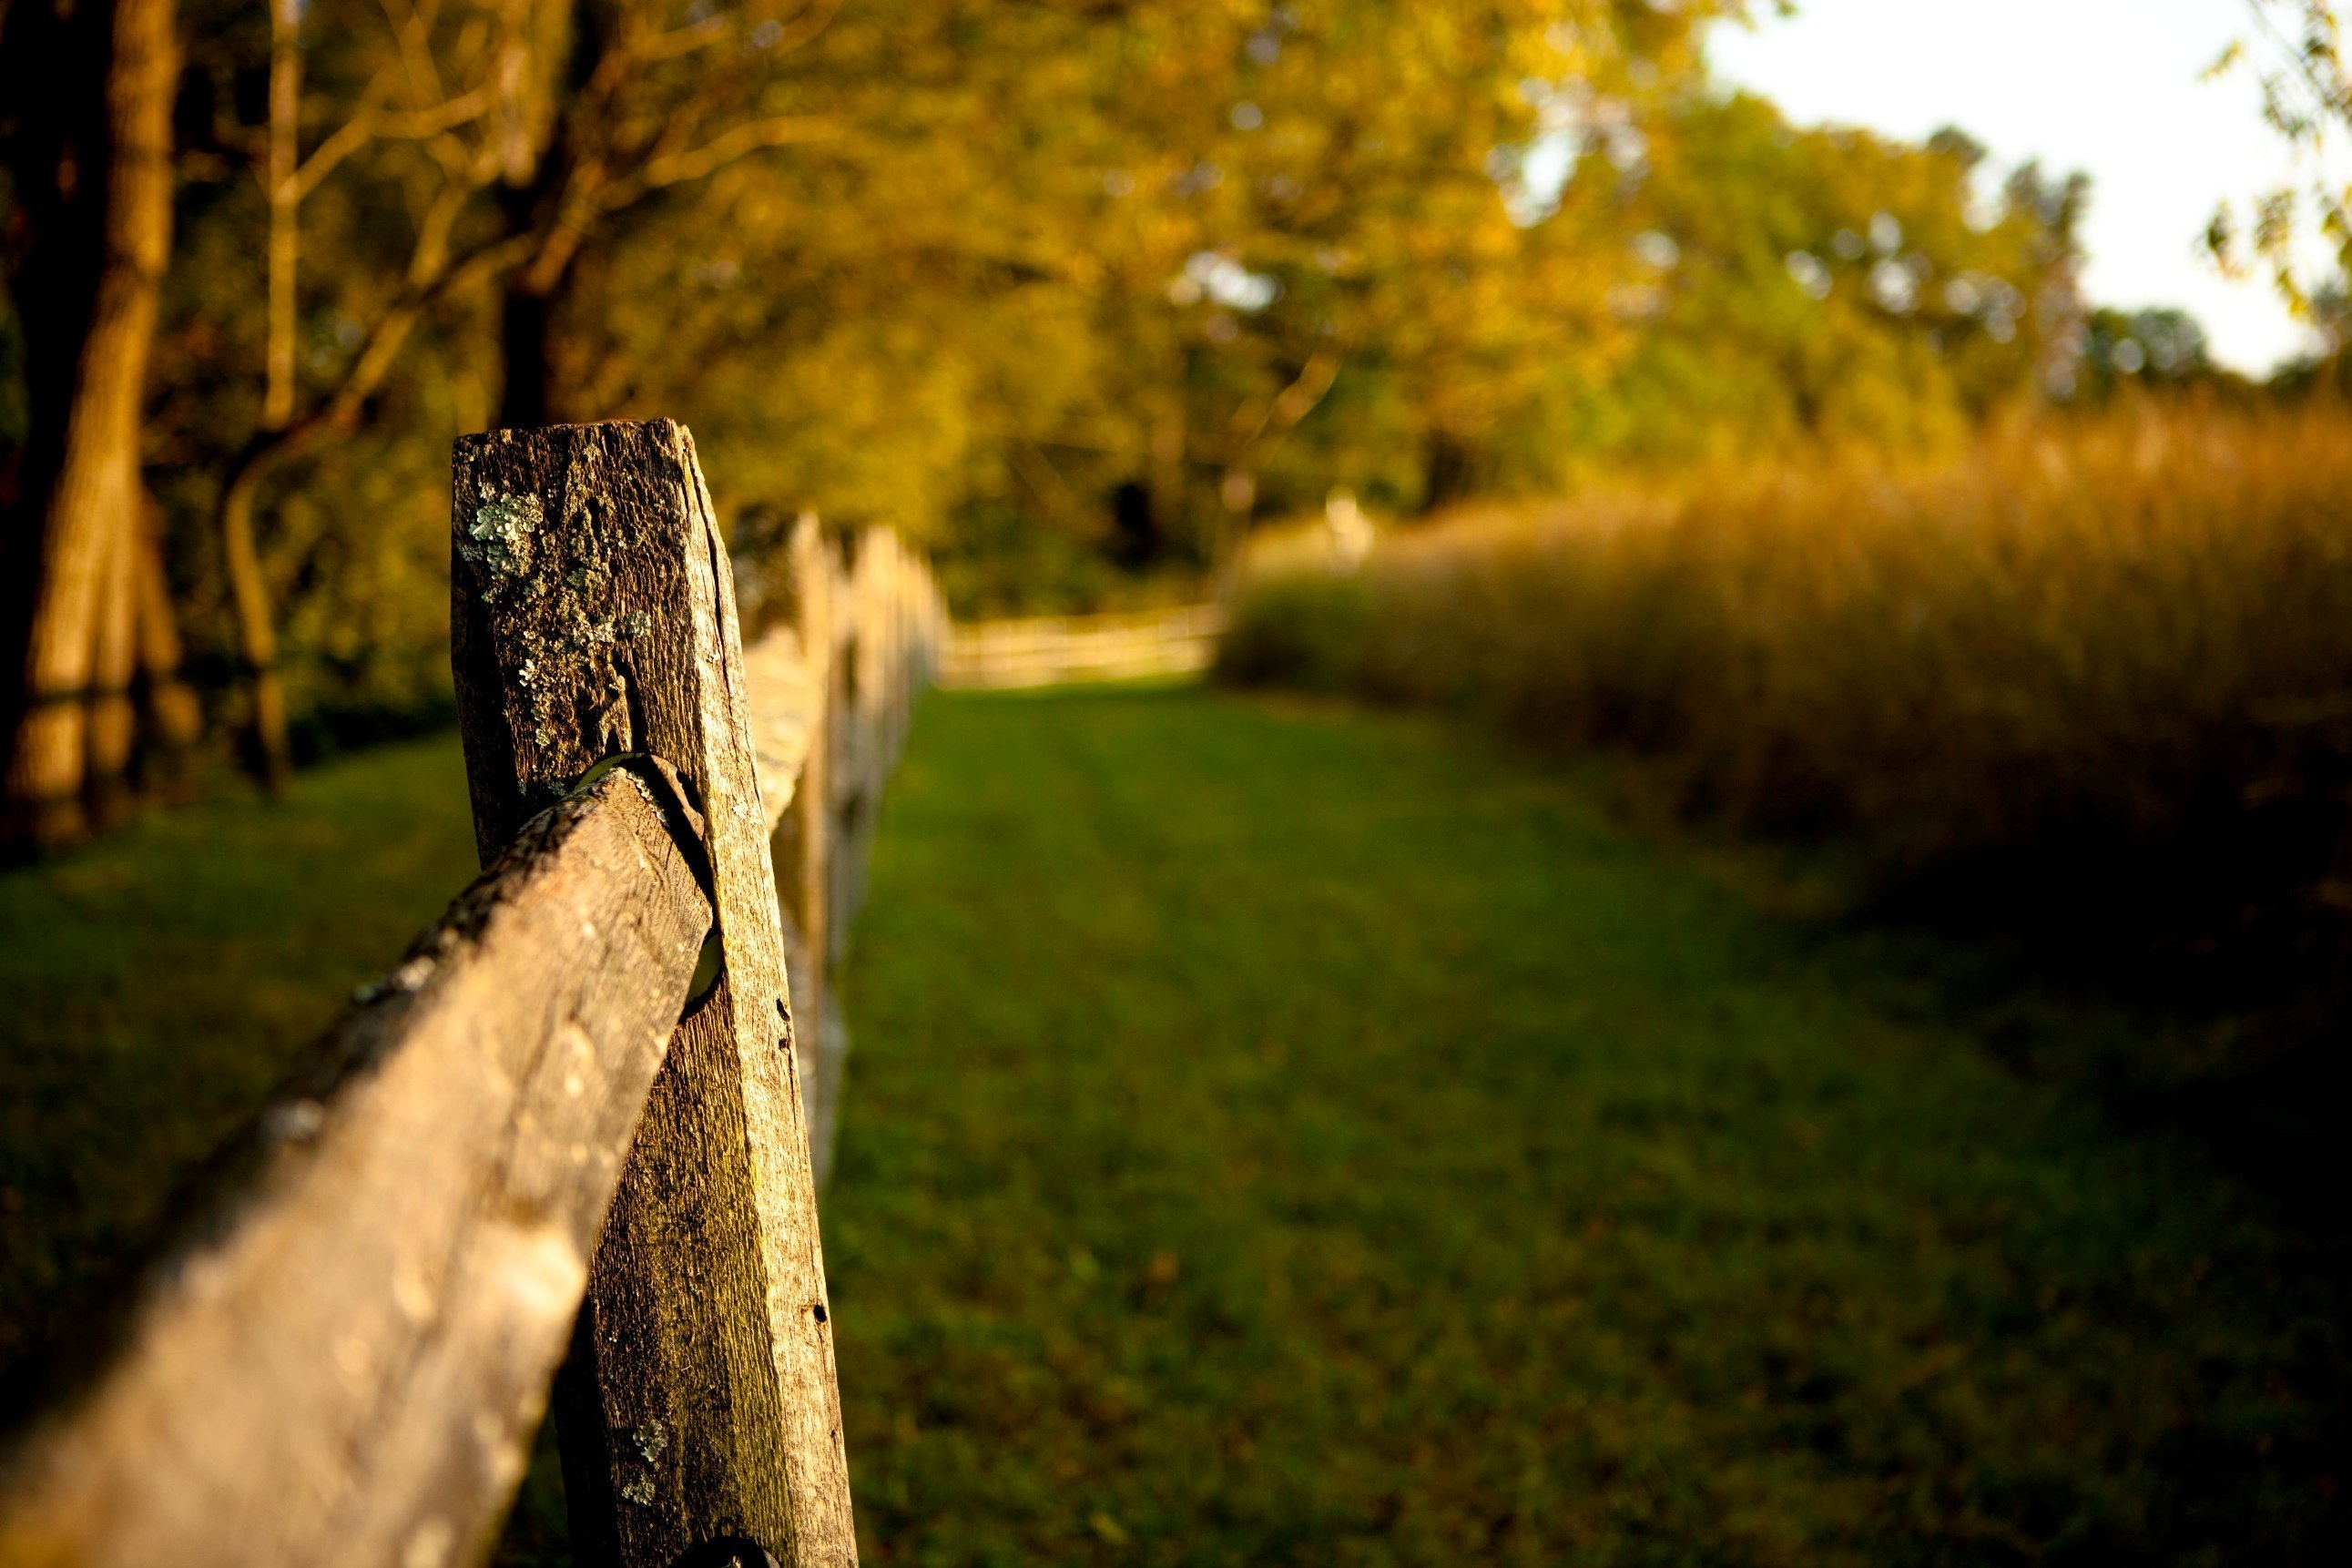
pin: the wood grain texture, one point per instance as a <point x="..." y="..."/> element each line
<point x="592" y="616"/>
<point x="343" y="1358"/>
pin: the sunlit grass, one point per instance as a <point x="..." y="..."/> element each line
<point x="1280" y="1135"/>
<point x="2108" y="662"/>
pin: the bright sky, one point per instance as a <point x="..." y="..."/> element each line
<point x="2109" y="87"/>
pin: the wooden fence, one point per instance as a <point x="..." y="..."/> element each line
<point x="564" y="1149"/>
<point x="1058" y="650"/>
<point x="842" y="635"/>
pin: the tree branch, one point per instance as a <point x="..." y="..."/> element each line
<point x="727" y="147"/>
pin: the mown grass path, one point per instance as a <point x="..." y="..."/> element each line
<point x="1292" y="1135"/>
<point x="1280" y="1135"/>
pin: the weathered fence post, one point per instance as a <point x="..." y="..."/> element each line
<point x="592" y="616"/>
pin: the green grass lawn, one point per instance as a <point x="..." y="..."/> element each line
<point x="159" y="984"/>
<point x="1282" y="1134"/>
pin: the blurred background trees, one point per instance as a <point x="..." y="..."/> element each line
<point x="1069" y="294"/>
<point x="2294" y="49"/>
<point x="90" y="226"/>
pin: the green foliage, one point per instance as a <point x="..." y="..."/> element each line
<point x="1132" y="238"/>
<point x="1821" y="285"/>
<point x="2153" y="348"/>
<point x="1304" y="1138"/>
<point x="2294" y="49"/>
<point x="1012" y="269"/>
<point x="1300" y="629"/>
<point x="999" y="562"/>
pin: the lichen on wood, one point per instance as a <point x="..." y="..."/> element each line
<point x="593" y="614"/>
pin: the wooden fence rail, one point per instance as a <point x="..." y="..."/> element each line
<point x="572" y="1125"/>
<point x="847" y="635"/>
<point x="1058" y="649"/>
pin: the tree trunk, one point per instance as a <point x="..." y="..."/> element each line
<point x="110" y="173"/>
<point x="257" y="634"/>
<point x="1168" y="507"/>
<point x="1236" y="499"/>
<point x="285" y="206"/>
<point x="532" y="294"/>
<point x="113" y="722"/>
<point x="526" y="400"/>
<point x="175" y="718"/>
<point x="267" y="754"/>
<point x="1448" y="469"/>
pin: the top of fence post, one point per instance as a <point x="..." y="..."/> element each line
<point x="592" y="616"/>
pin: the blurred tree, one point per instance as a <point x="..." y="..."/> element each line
<point x="1819" y="284"/>
<point x="2160" y="347"/>
<point x="489" y="141"/>
<point x="2294" y="50"/>
<point x="648" y="96"/>
<point x="1070" y="292"/>
<point x="1363" y="217"/>
<point x="85" y="102"/>
<point x="439" y="79"/>
<point x="1224" y="217"/>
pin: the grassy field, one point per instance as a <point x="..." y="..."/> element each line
<point x="159" y="984"/>
<point x="1287" y="1136"/>
<point x="1280" y="1134"/>
<point x="2089" y="680"/>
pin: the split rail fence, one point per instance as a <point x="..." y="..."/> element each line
<point x="1056" y="650"/>
<point x="563" y="1152"/>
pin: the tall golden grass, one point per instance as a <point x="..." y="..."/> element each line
<point x="2117" y="648"/>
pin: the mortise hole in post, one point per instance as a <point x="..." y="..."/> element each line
<point x="706" y="965"/>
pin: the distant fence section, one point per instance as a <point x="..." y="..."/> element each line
<point x="844" y="635"/>
<point x="1056" y="650"/>
<point x="581" y="1122"/>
